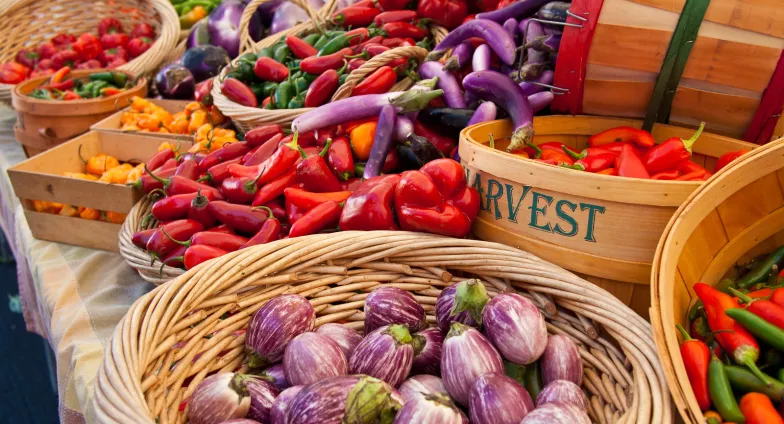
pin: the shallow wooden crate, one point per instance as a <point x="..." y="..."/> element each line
<point x="604" y="228"/>
<point x="112" y="123"/>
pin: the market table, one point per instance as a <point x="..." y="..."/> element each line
<point x="72" y="296"/>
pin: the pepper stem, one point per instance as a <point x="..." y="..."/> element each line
<point x="576" y="166"/>
<point x="748" y="361"/>
<point x="491" y="141"/>
<point x="79" y="152"/>
<point x="690" y="142"/>
<point x="157" y="178"/>
<point x="740" y="295"/>
<point x="574" y="155"/>
<point x="326" y="148"/>
<point x="470" y="296"/>
<point x="684" y="333"/>
<point x="181" y="243"/>
<point x="270" y="215"/>
<point x="537" y="149"/>
<point x="294" y="145"/>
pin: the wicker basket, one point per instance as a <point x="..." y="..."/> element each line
<point x="31" y="22"/>
<point x="137" y="383"/>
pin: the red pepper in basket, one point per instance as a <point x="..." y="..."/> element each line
<point x="758" y="409"/>
<point x="241" y="218"/>
<point x="608" y="171"/>
<point x="694" y="176"/>
<point x="355" y="16"/>
<point x="314" y="173"/>
<point x="639" y="137"/>
<point x="227" y="152"/>
<point x="239" y="189"/>
<point x="726" y="158"/>
<point x="181" y="185"/>
<point x="666" y="175"/>
<point x="281" y="161"/>
<point x="262" y="153"/>
<point x="148" y="183"/>
<point x="373" y="40"/>
<point x="293" y="213"/>
<point x="590" y="151"/>
<point x="323" y="216"/>
<point x="380" y="81"/>
<point x="198" y="211"/>
<point x="340" y="158"/>
<point x="188" y="169"/>
<point x="238" y="92"/>
<point x="404" y="30"/>
<point x="395" y="16"/>
<point x="60" y="75"/>
<point x="175" y="207"/>
<point x="355" y="64"/>
<point x="629" y="164"/>
<point x="393" y="4"/>
<point x="160" y="246"/>
<point x="219" y="172"/>
<point x="269" y="232"/>
<point x="109" y="26"/>
<point x="140" y="238"/>
<point x="319" y="64"/>
<point x="224" y="241"/>
<point x="443" y="143"/>
<point x="275" y="188"/>
<point x="259" y="135"/>
<point x="268" y="69"/>
<point x="763" y="308"/>
<point x="436" y="199"/>
<point x="398" y="42"/>
<point x="448" y="13"/>
<point x="696" y="358"/>
<point x="158" y="159"/>
<point x="370" y="206"/>
<point x="374" y="50"/>
<point x="223" y="228"/>
<point x="196" y="255"/>
<point x="557" y="156"/>
<point x="299" y="48"/>
<point x="306" y="200"/>
<point x="670" y="153"/>
<point x="594" y="163"/>
<point x="175" y="258"/>
<point x="322" y="88"/>
<point x="357" y="36"/>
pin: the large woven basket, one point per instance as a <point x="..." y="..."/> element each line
<point x="138" y="381"/>
<point x="28" y="23"/>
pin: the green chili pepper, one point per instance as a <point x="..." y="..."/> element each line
<point x="294" y="75"/>
<point x="248" y="58"/>
<point x="701" y="328"/>
<point x="268" y="88"/>
<point x="281" y="53"/>
<point x="87" y="89"/>
<point x="309" y="77"/>
<point x="178" y="8"/>
<point x="743" y="380"/>
<point x="41" y="93"/>
<point x="757" y="326"/>
<point x="533" y="379"/>
<point x="95" y="90"/>
<point x="117" y="78"/>
<point x="312" y="38"/>
<point x="761" y="270"/>
<point x="721" y="392"/>
<point x="265" y="52"/>
<point x="334" y="45"/>
<point x="283" y="94"/>
<point x="296" y="103"/>
<point x="301" y="85"/>
<point x="258" y="89"/>
<point x="695" y="310"/>
<point x="781" y="374"/>
<point x="343" y="79"/>
<point x="243" y="72"/>
<point x="293" y="65"/>
<point x="321" y="42"/>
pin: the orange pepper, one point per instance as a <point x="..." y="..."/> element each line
<point x="192" y="107"/>
<point x="118" y="174"/>
<point x="166" y="145"/>
<point x="110" y="91"/>
<point x="179" y="125"/>
<point x="90" y="213"/>
<point x="164" y="116"/>
<point x="81" y="176"/>
<point x="198" y="147"/>
<point x="204" y="132"/>
<point x="198" y="118"/>
<point x="217" y="116"/>
<point x="163" y="130"/>
<point x="128" y="117"/>
<point x="758" y="409"/>
<point x="139" y="104"/>
<point x="113" y="217"/>
<point x="100" y="163"/>
<point x="130" y="127"/>
<point x="44" y="206"/>
<point x="362" y="139"/>
<point x="349" y="126"/>
<point x="712" y="417"/>
<point x="60" y="75"/>
<point x="179" y="115"/>
<point x="218" y="142"/>
<point x="150" y="122"/>
<point x="68" y="210"/>
<point x="135" y="174"/>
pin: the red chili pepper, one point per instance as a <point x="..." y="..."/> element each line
<point x="70" y="95"/>
<point x="393" y="4"/>
<point x="666" y="175"/>
<point x="322" y="88"/>
<point x="188" y="169"/>
<point x="374" y="50"/>
<point x="227" y="242"/>
<point x="323" y="216"/>
<point x="670" y="153"/>
<point x="352" y="184"/>
<point x="62" y="86"/>
<point x="293" y="213"/>
<point x="306" y="200"/>
<point x="355" y="16"/>
<point x="777" y="296"/>
<point x="557" y="156"/>
<point x="196" y="255"/>
<point x="373" y="40"/>
<point x="639" y="137"/>
<point x="594" y="163"/>
<point x="395" y="16"/>
<point x="219" y="172"/>
<point x="693" y="176"/>
<point x="263" y="152"/>
<point x="443" y="143"/>
<point x="238" y="92"/>
<point x="629" y="164"/>
<point x="357" y="36"/>
<point x="227" y="152"/>
<point x="314" y="173"/>
<point x="726" y="158"/>
<point x="259" y="135"/>
<point x="398" y="42"/>
<point x="319" y="64"/>
<point x="181" y="185"/>
<point x="365" y="3"/>
<point x="60" y="75"/>
<point x="269" y="232"/>
<point x="355" y="64"/>
<point x="239" y="189"/>
<point x="380" y="81"/>
<point x="590" y="151"/>
<point x="736" y="341"/>
<point x="223" y="228"/>
<point x="160" y="158"/>
<point x="175" y="258"/>
<point x="758" y="409"/>
<point x="448" y="13"/>
<point x="763" y="308"/>
<point x="608" y="171"/>
<point x="269" y="69"/>
<point x="198" y="211"/>
<point x="696" y="358"/>
<point x="274" y="188"/>
<point x="175" y="207"/>
<point x="140" y="238"/>
<point x="370" y="206"/>
<point x="404" y="30"/>
<point x="299" y="48"/>
<point x="202" y="93"/>
<point x="241" y="218"/>
<point x="340" y="158"/>
<point x="159" y="245"/>
<point x="148" y="183"/>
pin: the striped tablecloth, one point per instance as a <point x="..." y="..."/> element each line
<point x="72" y="296"/>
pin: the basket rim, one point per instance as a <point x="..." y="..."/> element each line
<point x="18" y="88"/>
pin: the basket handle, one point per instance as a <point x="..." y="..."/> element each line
<point x="356" y="76"/>
<point x="47" y="133"/>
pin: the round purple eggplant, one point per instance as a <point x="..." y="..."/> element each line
<point x="346" y="338"/>
<point x="276" y="376"/>
<point x="281" y="404"/>
<point x="428" y="360"/>
<point x="467" y="355"/>
<point x="563" y="391"/>
<point x="557" y="413"/>
<point x="218" y="398"/>
<point x="421" y="385"/>
<point x="435" y="408"/>
<point x="274" y="326"/>
<point x="561" y="361"/>
<point x="262" y="395"/>
<point x="391" y="305"/>
<point x="497" y="399"/>
<point x="311" y="357"/>
<point x="335" y="400"/>
<point x="386" y="353"/>
<point x="461" y="302"/>
<point x="516" y="328"/>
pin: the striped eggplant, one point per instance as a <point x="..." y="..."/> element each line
<point x="563" y="391"/>
<point x="274" y="326"/>
<point x="435" y="408"/>
<point x="561" y="361"/>
<point x="346" y="338"/>
<point x="356" y="399"/>
<point x="516" y="328"/>
<point x="420" y="385"/>
<point x="461" y="302"/>
<point x="281" y="404"/>
<point x="275" y="375"/>
<point x="391" y="305"/>
<point x="386" y="353"/>
<point x="262" y="395"/>
<point x="557" y="413"/>
<point x="218" y="398"/>
<point x="428" y="360"/>
<point x="467" y="355"/>
<point x="311" y="357"/>
<point x="497" y="399"/>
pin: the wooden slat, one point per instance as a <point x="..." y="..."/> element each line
<point x="697" y="255"/>
<point x="751" y="204"/>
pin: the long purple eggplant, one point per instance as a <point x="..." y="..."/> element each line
<point x="281" y="404"/>
<point x="346" y="399"/>
<point x="382" y="142"/>
<point x="493" y="33"/>
<point x="428" y="360"/>
<point x="461" y="302"/>
<point x="453" y="95"/>
<point x="403" y="127"/>
<point x="262" y="395"/>
<point x="497" y="399"/>
<point x="535" y="30"/>
<point x="218" y="398"/>
<point x="545" y="78"/>
<point x="276" y="376"/>
<point x="274" y="325"/>
<point x="506" y="94"/>
<point x="561" y="361"/>
<point x="346" y="338"/>
<point x="467" y="355"/>
<point x="311" y="357"/>
<point x="481" y="59"/>
<point x="434" y="408"/>
<point x="386" y="354"/>
<point x="556" y="413"/>
<point x="518" y="10"/>
<point x="516" y="328"/>
<point x="510" y="25"/>
<point x="541" y="100"/>
<point x="563" y="391"/>
<point x="421" y="385"/>
<point x="391" y="305"/>
<point x="461" y="56"/>
<point x="484" y="113"/>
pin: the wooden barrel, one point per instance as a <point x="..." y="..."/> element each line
<point x="610" y="64"/>
<point x="737" y="215"/>
<point x="605" y="228"/>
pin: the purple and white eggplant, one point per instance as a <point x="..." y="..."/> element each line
<point x="541" y="100"/>
<point x="493" y="33"/>
<point x="561" y="361"/>
<point x="453" y="95"/>
<point x="386" y="354"/>
<point x="421" y="385"/>
<point x="467" y="355"/>
<point x="336" y="400"/>
<point x="518" y="10"/>
<point x="218" y="398"/>
<point x="562" y="391"/>
<point x="274" y="326"/>
<point x="382" y="142"/>
<point x="391" y="305"/>
<point x="497" y="399"/>
<point x="481" y="59"/>
<point x="281" y="404"/>
<point x="428" y="359"/>
<point x="311" y="357"/>
<point x="262" y="395"/>
<point x="461" y="57"/>
<point x="346" y="338"/>
<point x="486" y="112"/>
<point x="461" y="302"/>
<point x="516" y="327"/>
<point x="505" y="93"/>
<point x="435" y="408"/>
<point x="275" y="375"/>
<point x="557" y="413"/>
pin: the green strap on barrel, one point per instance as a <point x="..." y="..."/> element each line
<point x="675" y="61"/>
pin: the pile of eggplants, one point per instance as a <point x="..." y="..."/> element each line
<point x="487" y="360"/>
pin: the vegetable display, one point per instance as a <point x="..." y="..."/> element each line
<point x="61" y="86"/>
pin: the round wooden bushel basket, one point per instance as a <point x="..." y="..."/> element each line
<point x="137" y="382"/>
<point x="603" y="227"/>
<point x="737" y="215"/>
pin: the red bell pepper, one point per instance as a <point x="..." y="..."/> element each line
<point x="448" y="13"/>
<point x="404" y="30"/>
<point x="175" y="207"/>
<point x="322" y="88"/>
<point x="318" y="64"/>
<point x="87" y="46"/>
<point x="355" y="16"/>
<point x="395" y="16"/>
<point x="670" y="153"/>
<point x="777" y="296"/>
<point x="666" y="175"/>
<point x="639" y="137"/>
<point x="307" y="200"/>
<point x="299" y="48"/>
<point x="380" y="81"/>
<point x="45" y="51"/>
<point x="594" y="163"/>
<point x="629" y="164"/>
<point x="314" y="173"/>
<point x="696" y="358"/>
<point x="227" y="152"/>
<point x="159" y="245"/>
<point x="110" y="26"/>
<point x="63" y="39"/>
<point x="726" y="158"/>
<point x="275" y="188"/>
<point x="323" y="216"/>
<point x="340" y="158"/>
<point x="259" y="135"/>
<point x="27" y="57"/>
<point x="110" y="41"/>
<point x="269" y="232"/>
<point x="370" y="206"/>
<point x="352" y="184"/>
<point x="142" y="30"/>
<point x="268" y="69"/>
<point x="220" y="172"/>
<point x="137" y="46"/>
<point x="199" y="254"/>
<point x="241" y="218"/>
<point x="198" y="210"/>
<point x="443" y="143"/>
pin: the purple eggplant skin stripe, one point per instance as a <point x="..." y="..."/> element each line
<point x="515" y="325"/>
<point x="346" y="338"/>
<point x="311" y="357"/>
<point x="391" y="305"/>
<point x="498" y="399"/>
<point x="467" y="355"/>
<point x="274" y="325"/>
<point x="386" y="354"/>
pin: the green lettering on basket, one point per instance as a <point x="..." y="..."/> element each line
<point x="535" y="209"/>
<point x="491" y="195"/>
<point x="478" y="186"/>
<point x="509" y="196"/>
<point x="592" y="209"/>
<point x="559" y="210"/>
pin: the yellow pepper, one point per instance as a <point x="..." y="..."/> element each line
<point x="166" y="145"/>
<point x="128" y="117"/>
<point x="198" y="118"/>
<point x="198" y="147"/>
<point x="118" y="174"/>
<point x="100" y="163"/>
<point x="192" y="107"/>
<point x="149" y="122"/>
<point x="204" y="132"/>
<point x="90" y="213"/>
<point x="44" y="206"/>
<point x="80" y="176"/>
<point x="139" y="104"/>
<point x="113" y="217"/>
<point x="69" y="210"/>
<point x="130" y="127"/>
<point x="164" y="116"/>
<point x="179" y="125"/>
<point x="135" y="174"/>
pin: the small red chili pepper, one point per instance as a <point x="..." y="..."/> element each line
<point x="395" y="16"/>
<point x="196" y="255"/>
<point x="269" y="69"/>
<point x="70" y="95"/>
<point x="558" y="156"/>
<point x="227" y="152"/>
<point x="590" y="151"/>
<point x="687" y="167"/>
<point x="160" y="158"/>
<point x="241" y="218"/>
<point x="777" y="296"/>
<point x="269" y="232"/>
<point x="355" y="16"/>
<point x="373" y="40"/>
<point x="317" y="65"/>
<point x="380" y="81"/>
<point x="219" y="172"/>
<point x="639" y="137"/>
<point x="306" y="200"/>
<point x="278" y="211"/>
<point x="148" y="183"/>
<point x="160" y="246"/>
<point x="238" y="92"/>
<point x="140" y="238"/>
<point x="693" y="176"/>
<point x="322" y="88"/>
<point x="763" y="308"/>
<point x="670" y="153"/>
<point x="227" y="242"/>
<point x="666" y="175"/>
<point x="374" y="50"/>
<point x="398" y="42"/>
<point x="357" y="36"/>
<point x="404" y="30"/>
<point x="340" y="158"/>
<point x="198" y="211"/>
<point x="629" y="164"/>
<point x="293" y="213"/>
<point x="181" y="185"/>
<point x="365" y="3"/>
<point x="62" y="86"/>
<point x="355" y="64"/>
<point x="175" y="258"/>
<point x="263" y="152"/>
<point x="239" y="189"/>
<point x="175" y="207"/>
<point x="299" y="48"/>
<point x="696" y="358"/>
<point x="314" y="173"/>
<point x="188" y="169"/>
<point x="726" y="158"/>
<point x="391" y="162"/>
<point x="594" y="163"/>
<point x="274" y="188"/>
<point x="223" y="228"/>
<point x="259" y="135"/>
<point x="393" y="4"/>
<point x="323" y="216"/>
<point x="443" y="143"/>
<point x="608" y="171"/>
